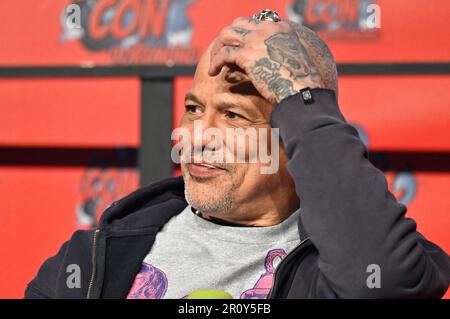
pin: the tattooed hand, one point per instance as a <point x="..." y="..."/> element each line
<point x="270" y="53"/>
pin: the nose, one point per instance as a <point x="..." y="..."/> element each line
<point x="207" y="136"/>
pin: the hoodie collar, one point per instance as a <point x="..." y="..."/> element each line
<point x="149" y="206"/>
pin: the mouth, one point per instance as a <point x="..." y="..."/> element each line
<point x="204" y="170"/>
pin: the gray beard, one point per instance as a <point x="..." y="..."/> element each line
<point x="220" y="206"/>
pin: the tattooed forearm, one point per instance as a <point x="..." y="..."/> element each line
<point x="268" y="73"/>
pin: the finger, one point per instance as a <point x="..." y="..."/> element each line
<point x="234" y="36"/>
<point x="254" y="24"/>
<point x="246" y="23"/>
<point x="226" y="55"/>
<point x="237" y="31"/>
<point x="216" y="48"/>
<point x="229" y="36"/>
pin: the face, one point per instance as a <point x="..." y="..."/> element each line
<point x="224" y="176"/>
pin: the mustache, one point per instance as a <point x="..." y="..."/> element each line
<point x="216" y="164"/>
<point x="194" y="155"/>
<point x="189" y="159"/>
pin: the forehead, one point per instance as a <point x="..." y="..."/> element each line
<point x="230" y="86"/>
<point x="229" y="80"/>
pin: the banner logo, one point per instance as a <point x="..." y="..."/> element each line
<point x="338" y="19"/>
<point x="135" y="31"/>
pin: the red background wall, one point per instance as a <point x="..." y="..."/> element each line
<point x="39" y="203"/>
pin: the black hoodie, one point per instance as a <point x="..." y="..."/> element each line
<point x="348" y="222"/>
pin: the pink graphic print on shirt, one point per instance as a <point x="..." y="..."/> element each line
<point x="265" y="282"/>
<point x="150" y="283"/>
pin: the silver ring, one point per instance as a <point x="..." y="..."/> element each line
<point x="267" y="15"/>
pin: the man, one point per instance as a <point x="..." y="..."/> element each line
<point x="323" y="225"/>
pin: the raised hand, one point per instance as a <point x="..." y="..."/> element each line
<point x="270" y="53"/>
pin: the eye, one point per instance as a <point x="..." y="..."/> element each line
<point x="192" y="109"/>
<point x="233" y="116"/>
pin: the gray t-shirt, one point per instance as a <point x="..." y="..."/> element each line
<point x="192" y="253"/>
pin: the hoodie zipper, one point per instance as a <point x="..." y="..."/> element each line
<point x="94" y="263"/>
<point x="277" y="270"/>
